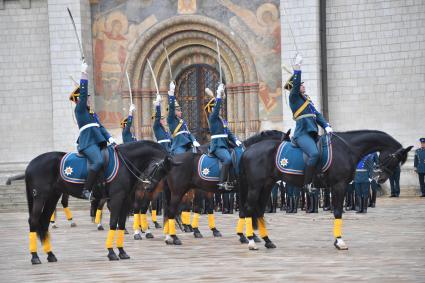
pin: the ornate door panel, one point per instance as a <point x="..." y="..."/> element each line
<point x="190" y="94"/>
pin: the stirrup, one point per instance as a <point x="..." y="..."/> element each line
<point x="226" y="186"/>
<point x="86" y="194"/>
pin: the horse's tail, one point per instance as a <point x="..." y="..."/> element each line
<point x="243" y="188"/>
<point x="30" y="200"/>
<point x="14" y="178"/>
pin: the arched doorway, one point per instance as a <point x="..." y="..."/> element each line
<point x="190" y="93"/>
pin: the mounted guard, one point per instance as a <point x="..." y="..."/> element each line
<point x="307" y="118"/>
<point x="221" y="136"/>
<point x="163" y="137"/>
<point x="127" y="135"/>
<point x="93" y="136"/>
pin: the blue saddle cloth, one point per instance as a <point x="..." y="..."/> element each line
<point x="73" y="167"/>
<point x="290" y="159"/>
<point x="209" y="166"/>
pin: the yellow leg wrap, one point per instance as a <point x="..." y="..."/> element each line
<point x="98" y="216"/>
<point x="195" y="220"/>
<point x="239" y="227"/>
<point x="144" y="222"/>
<point x="262" y="227"/>
<point x="249" y="230"/>
<point x="337" y="228"/>
<point x="120" y="239"/>
<point x="185" y="217"/>
<point x="110" y="239"/>
<point x="166" y="228"/>
<point x="211" y="221"/>
<point x="52" y="219"/>
<point x="47" y="246"/>
<point x="172" y="226"/>
<point x="154" y="216"/>
<point x="68" y="213"/>
<point x="33" y="242"/>
<point x="136" y="222"/>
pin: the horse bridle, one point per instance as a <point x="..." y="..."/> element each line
<point x="383" y="166"/>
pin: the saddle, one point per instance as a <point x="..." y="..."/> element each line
<point x="73" y="166"/>
<point x="209" y="166"/>
<point x="290" y="159"/>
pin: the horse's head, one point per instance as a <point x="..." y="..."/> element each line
<point x="388" y="162"/>
<point x="157" y="170"/>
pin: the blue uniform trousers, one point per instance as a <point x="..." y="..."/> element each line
<point x="224" y="155"/>
<point x="422" y="182"/>
<point x="94" y="156"/>
<point x="395" y="183"/>
<point x="309" y="147"/>
<point x="362" y="189"/>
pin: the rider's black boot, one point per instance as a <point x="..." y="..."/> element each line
<point x="289" y="205"/>
<point x="316" y="202"/>
<point x="295" y="201"/>
<point x="224" y="175"/>
<point x="90" y="182"/>
<point x="274" y="204"/>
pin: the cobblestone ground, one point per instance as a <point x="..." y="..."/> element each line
<point x="385" y="245"/>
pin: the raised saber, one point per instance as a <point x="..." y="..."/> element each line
<point x="219" y="60"/>
<point x="76" y="34"/>
<point x="290" y="28"/>
<point x="129" y="87"/>
<point x="153" y="75"/>
<point x="168" y="61"/>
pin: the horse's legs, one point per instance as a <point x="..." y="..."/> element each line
<point x="338" y="193"/>
<point x="156" y="207"/>
<point x="49" y="208"/>
<point x="121" y="229"/>
<point x="197" y="210"/>
<point x="137" y="217"/>
<point x="250" y="211"/>
<point x="209" y="205"/>
<point x="240" y="226"/>
<point x="264" y="199"/>
<point x="34" y="223"/>
<point x="115" y="205"/>
<point x="144" y="218"/>
<point x="171" y="238"/>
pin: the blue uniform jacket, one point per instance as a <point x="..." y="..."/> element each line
<point x="364" y="169"/>
<point x="419" y="162"/>
<point x="219" y="127"/>
<point x="173" y="122"/>
<point x="296" y="100"/>
<point x="127" y="136"/>
<point x="159" y="130"/>
<point x="91" y="135"/>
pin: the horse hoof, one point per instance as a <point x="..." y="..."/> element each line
<point x="137" y="237"/>
<point x="54" y="226"/>
<point x="197" y="235"/>
<point x="149" y="236"/>
<point x="122" y="254"/>
<point x="256" y="239"/>
<point x="112" y="256"/>
<point x="190" y="228"/>
<point x="216" y="233"/>
<point x="243" y="239"/>
<point x="100" y="228"/>
<point x="176" y="241"/>
<point x="186" y="228"/>
<point x="340" y="244"/>
<point x="51" y="257"/>
<point x="252" y="247"/>
<point x="73" y="225"/>
<point x="125" y="231"/>
<point x="157" y="225"/>
<point x="35" y="259"/>
<point x="270" y="245"/>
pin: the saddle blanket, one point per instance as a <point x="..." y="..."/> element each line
<point x="73" y="167"/>
<point x="290" y="159"/>
<point x="209" y="166"/>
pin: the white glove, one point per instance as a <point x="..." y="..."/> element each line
<point x="111" y="140"/>
<point x="370" y="180"/>
<point x="351" y="182"/>
<point x="172" y="88"/>
<point x="298" y="60"/>
<point x="84" y="67"/>
<point x="220" y="90"/>
<point x="156" y="102"/>
<point x="132" y="109"/>
<point x="328" y="129"/>
<point x="196" y="144"/>
<point x="158" y="98"/>
<point x="238" y="143"/>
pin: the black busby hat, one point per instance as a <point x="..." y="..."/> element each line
<point x="422" y="140"/>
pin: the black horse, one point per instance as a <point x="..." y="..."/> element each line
<point x="184" y="177"/>
<point x="141" y="162"/>
<point x="259" y="174"/>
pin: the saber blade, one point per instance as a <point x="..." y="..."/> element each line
<point x="168" y="60"/>
<point x="76" y="34"/>
<point x="153" y="75"/>
<point x="129" y="87"/>
<point x="219" y="60"/>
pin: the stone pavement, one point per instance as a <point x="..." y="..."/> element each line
<point x="385" y="245"/>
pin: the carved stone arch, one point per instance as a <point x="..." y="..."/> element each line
<point x="185" y="37"/>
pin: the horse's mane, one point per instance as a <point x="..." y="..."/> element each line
<point x="135" y="144"/>
<point x="376" y="132"/>
<point x="264" y="135"/>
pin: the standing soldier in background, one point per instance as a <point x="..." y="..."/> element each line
<point x="395" y="182"/>
<point x="374" y="185"/>
<point x="419" y="165"/>
<point x="362" y="182"/>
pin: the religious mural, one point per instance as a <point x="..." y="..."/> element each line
<point x="117" y="24"/>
